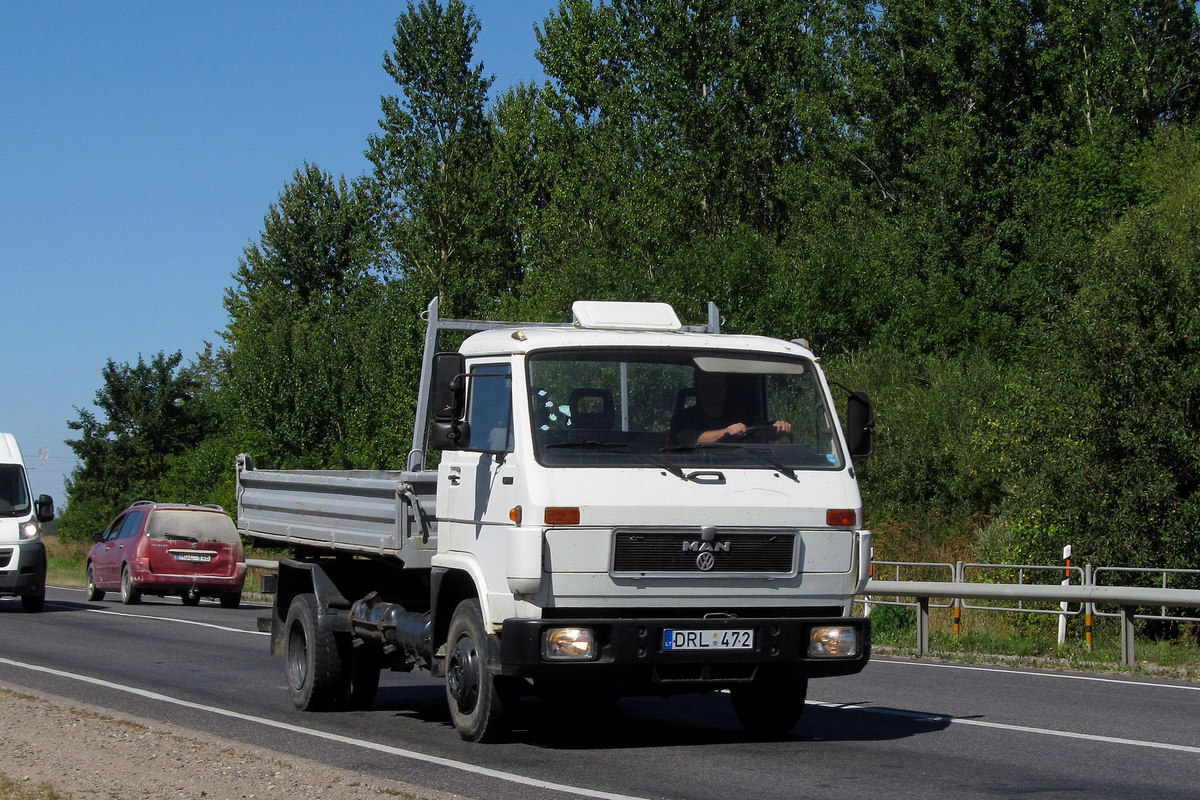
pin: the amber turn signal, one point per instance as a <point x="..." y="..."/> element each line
<point x="562" y="516"/>
<point x="841" y="517"/>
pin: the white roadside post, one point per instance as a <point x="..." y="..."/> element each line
<point x="1066" y="581"/>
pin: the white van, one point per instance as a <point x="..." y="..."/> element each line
<point x="22" y="552"/>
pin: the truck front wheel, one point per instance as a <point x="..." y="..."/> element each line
<point x="475" y="699"/>
<point x="312" y="658"/>
<point x="769" y="708"/>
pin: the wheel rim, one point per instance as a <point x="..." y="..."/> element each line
<point x="91" y="580"/>
<point x="126" y="584"/>
<point x="297" y="656"/>
<point x="462" y="674"/>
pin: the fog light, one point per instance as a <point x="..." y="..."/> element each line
<point x="833" y="641"/>
<point x="568" y="644"/>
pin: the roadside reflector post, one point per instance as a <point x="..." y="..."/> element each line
<point x="1066" y="581"/>
<point x="1088" y="608"/>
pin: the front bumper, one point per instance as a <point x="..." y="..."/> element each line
<point x="631" y="652"/>
<point x="22" y="568"/>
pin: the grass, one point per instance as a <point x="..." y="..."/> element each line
<point x="65" y="562"/>
<point x="12" y="789"/>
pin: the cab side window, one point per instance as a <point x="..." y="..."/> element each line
<point x="490" y="408"/>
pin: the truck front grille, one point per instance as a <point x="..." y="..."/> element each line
<point x="685" y="551"/>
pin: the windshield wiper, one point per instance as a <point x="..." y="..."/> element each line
<point x="653" y="459"/>
<point x="179" y="537"/>
<point x="770" y="462"/>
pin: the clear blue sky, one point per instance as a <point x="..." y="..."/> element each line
<point x="141" y="144"/>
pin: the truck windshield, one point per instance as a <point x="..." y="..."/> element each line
<point x="680" y="409"/>
<point x="14" y="496"/>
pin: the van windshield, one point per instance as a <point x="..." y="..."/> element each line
<point x="14" y="491"/>
<point x="680" y="409"/>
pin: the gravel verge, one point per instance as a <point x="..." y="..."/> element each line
<point x="73" y="750"/>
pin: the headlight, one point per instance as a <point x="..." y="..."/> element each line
<point x="569" y="644"/>
<point x="31" y="530"/>
<point x="833" y="641"/>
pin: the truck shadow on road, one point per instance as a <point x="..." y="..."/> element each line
<point x="651" y="722"/>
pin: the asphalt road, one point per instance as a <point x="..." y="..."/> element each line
<point x="901" y="729"/>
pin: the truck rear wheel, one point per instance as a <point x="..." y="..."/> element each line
<point x="769" y="708"/>
<point x="474" y="694"/>
<point x="312" y="658"/>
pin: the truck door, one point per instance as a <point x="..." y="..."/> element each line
<point x="480" y="479"/>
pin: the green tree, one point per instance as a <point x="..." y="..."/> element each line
<point x="442" y="207"/>
<point x="302" y="359"/>
<point x="1112" y="462"/>
<point x="149" y="413"/>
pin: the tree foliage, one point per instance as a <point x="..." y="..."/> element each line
<point x="983" y="213"/>
<point x="151" y="413"/>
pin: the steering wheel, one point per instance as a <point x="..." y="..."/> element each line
<point x="765" y="432"/>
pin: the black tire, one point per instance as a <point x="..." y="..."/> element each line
<point x="93" y="593"/>
<point x="769" y="708"/>
<point x="129" y="595"/>
<point x="231" y="599"/>
<point x="33" y="603"/>
<point x="476" y="702"/>
<point x="190" y="598"/>
<point x="312" y="659"/>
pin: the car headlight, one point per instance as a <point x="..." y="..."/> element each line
<point x="833" y="641"/>
<point x="569" y="644"/>
<point x="31" y="530"/>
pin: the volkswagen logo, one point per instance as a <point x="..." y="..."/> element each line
<point x="705" y="561"/>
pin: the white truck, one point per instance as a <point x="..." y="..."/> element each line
<point x="22" y="551"/>
<point x="586" y="534"/>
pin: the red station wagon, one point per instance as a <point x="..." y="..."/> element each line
<point x="168" y="549"/>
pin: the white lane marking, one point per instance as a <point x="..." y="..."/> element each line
<point x="180" y="620"/>
<point x="474" y="769"/>
<point x="1058" y="675"/>
<point x="1087" y="737"/>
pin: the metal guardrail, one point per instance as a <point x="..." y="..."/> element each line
<point x="1088" y="593"/>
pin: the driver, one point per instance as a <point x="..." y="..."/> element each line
<point x="710" y="419"/>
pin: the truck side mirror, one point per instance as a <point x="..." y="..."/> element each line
<point x="449" y="391"/>
<point x="455" y="435"/>
<point x="44" y="508"/>
<point x="860" y="425"/>
<point x="449" y="387"/>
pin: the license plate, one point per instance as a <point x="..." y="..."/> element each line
<point x="740" y="639"/>
<point x="199" y="558"/>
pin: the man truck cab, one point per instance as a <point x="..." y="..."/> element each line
<point x="22" y="552"/>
